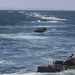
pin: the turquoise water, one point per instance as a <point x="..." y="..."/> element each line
<point x="22" y="50"/>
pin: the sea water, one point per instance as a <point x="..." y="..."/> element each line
<point x="22" y="50"/>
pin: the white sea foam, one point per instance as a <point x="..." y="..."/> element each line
<point x="61" y="73"/>
<point x="10" y="11"/>
<point x="69" y="72"/>
<point x="48" y="21"/>
<point x="45" y="17"/>
<point x="51" y="18"/>
<point x="21" y="36"/>
<point x="33" y="14"/>
<point x="39" y="21"/>
<point x="21" y="12"/>
<point x="6" y="62"/>
<point x="47" y="26"/>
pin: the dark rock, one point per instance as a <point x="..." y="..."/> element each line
<point x="39" y="30"/>
<point x="58" y="66"/>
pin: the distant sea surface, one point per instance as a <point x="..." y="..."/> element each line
<point x="22" y="50"/>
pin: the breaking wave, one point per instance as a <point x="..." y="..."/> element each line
<point x="69" y="72"/>
<point x="21" y="36"/>
<point x="48" y="26"/>
<point x="39" y="21"/>
<point x="52" y="18"/>
<point x="46" y="17"/>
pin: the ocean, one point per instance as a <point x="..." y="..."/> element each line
<point x="22" y="50"/>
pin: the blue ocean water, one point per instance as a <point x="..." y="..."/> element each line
<point x="22" y="50"/>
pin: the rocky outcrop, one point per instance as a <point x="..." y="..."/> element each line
<point x="40" y="30"/>
<point x="58" y="66"/>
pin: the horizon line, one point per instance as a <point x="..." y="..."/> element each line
<point x="38" y="9"/>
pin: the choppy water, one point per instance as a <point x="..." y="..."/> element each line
<point x="22" y="50"/>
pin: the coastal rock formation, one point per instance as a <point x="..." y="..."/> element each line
<point x="58" y="66"/>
